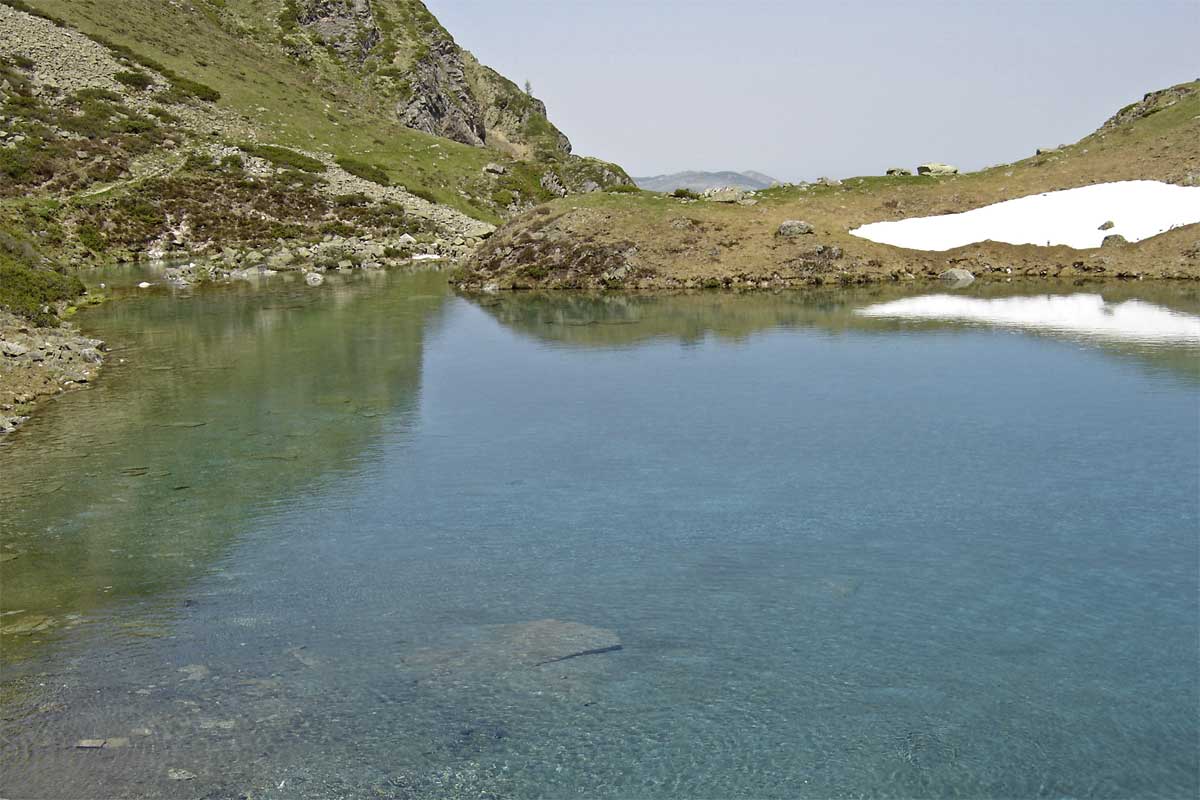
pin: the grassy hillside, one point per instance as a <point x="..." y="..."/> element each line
<point x="649" y="240"/>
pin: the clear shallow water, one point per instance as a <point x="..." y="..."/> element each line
<point x="344" y="543"/>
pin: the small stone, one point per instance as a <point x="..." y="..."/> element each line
<point x="496" y="169"/>
<point x="89" y="744"/>
<point x="180" y="775"/>
<point x="794" y="227"/>
<point x="195" y="672"/>
<point x="144" y="285"/>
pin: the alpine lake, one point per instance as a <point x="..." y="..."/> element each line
<point x="379" y="540"/>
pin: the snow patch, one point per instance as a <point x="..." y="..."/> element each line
<point x="1077" y="314"/>
<point x="1072" y="217"/>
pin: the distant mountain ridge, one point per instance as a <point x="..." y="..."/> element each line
<point x="699" y="181"/>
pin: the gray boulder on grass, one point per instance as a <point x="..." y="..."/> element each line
<point x="794" y="227"/>
<point x="934" y="168"/>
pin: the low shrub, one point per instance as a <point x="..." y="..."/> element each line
<point x="685" y="194"/>
<point x="31" y="293"/>
<point x="351" y="200"/>
<point x="366" y="171"/>
<point x="283" y="157"/>
<point x="624" y="188"/>
<point x="135" y="79"/>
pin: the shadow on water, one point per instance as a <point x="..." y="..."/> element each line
<point x="1067" y="312"/>
<point x="211" y="410"/>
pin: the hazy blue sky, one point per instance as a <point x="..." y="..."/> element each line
<point x="800" y="89"/>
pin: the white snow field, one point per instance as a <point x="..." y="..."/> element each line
<point x="1077" y="314"/>
<point x="1071" y="217"/>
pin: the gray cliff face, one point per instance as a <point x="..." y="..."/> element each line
<point x="441" y="101"/>
<point x="348" y="27"/>
<point x="400" y="49"/>
<point x="445" y="91"/>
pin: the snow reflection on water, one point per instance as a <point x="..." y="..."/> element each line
<point x="1078" y="314"/>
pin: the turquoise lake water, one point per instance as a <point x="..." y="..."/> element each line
<point x="376" y="540"/>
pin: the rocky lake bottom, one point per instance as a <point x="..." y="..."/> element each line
<point x="374" y="539"/>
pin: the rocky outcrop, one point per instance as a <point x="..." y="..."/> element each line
<point x="934" y="168"/>
<point x="1151" y="103"/>
<point x="441" y="101"/>
<point x="37" y="362"/>
<point x="405" y="55"/>
<point x="348" y="27"/>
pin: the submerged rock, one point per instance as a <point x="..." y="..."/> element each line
<point x="314" y="279"/>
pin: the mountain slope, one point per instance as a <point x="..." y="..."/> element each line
<point x="651" y="241"/>
<point x="373" y="79"/>
<point x="701" y="181"/>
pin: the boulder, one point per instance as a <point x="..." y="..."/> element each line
<point x="496" y="169"/>
<point x="553" y="184"/>
<point x="934" y="168"/>
<point x="828" y="182"/>
<point x="794" y="227"/>
<point x="1108" y="226"/>
<point x="1114" y="240"/>
<point x="899" y="171"/>
<point x="958" y="277"/>
<point x="725" y="194"/>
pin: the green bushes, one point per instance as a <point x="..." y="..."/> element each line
<point x="90" y="237"/>
<point x="31" y="293"/>
<point x="191" y="88"/>
<point x="357" y="199"/>
<point x="368" y="172"/>
<point x="624" y="188"/>
<point x="423" y="193"/>
<point x="135" y="79"/>
<point x="283" y="157"/>
<point x="685" y="194"/>
<point x="503" y="197"/>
